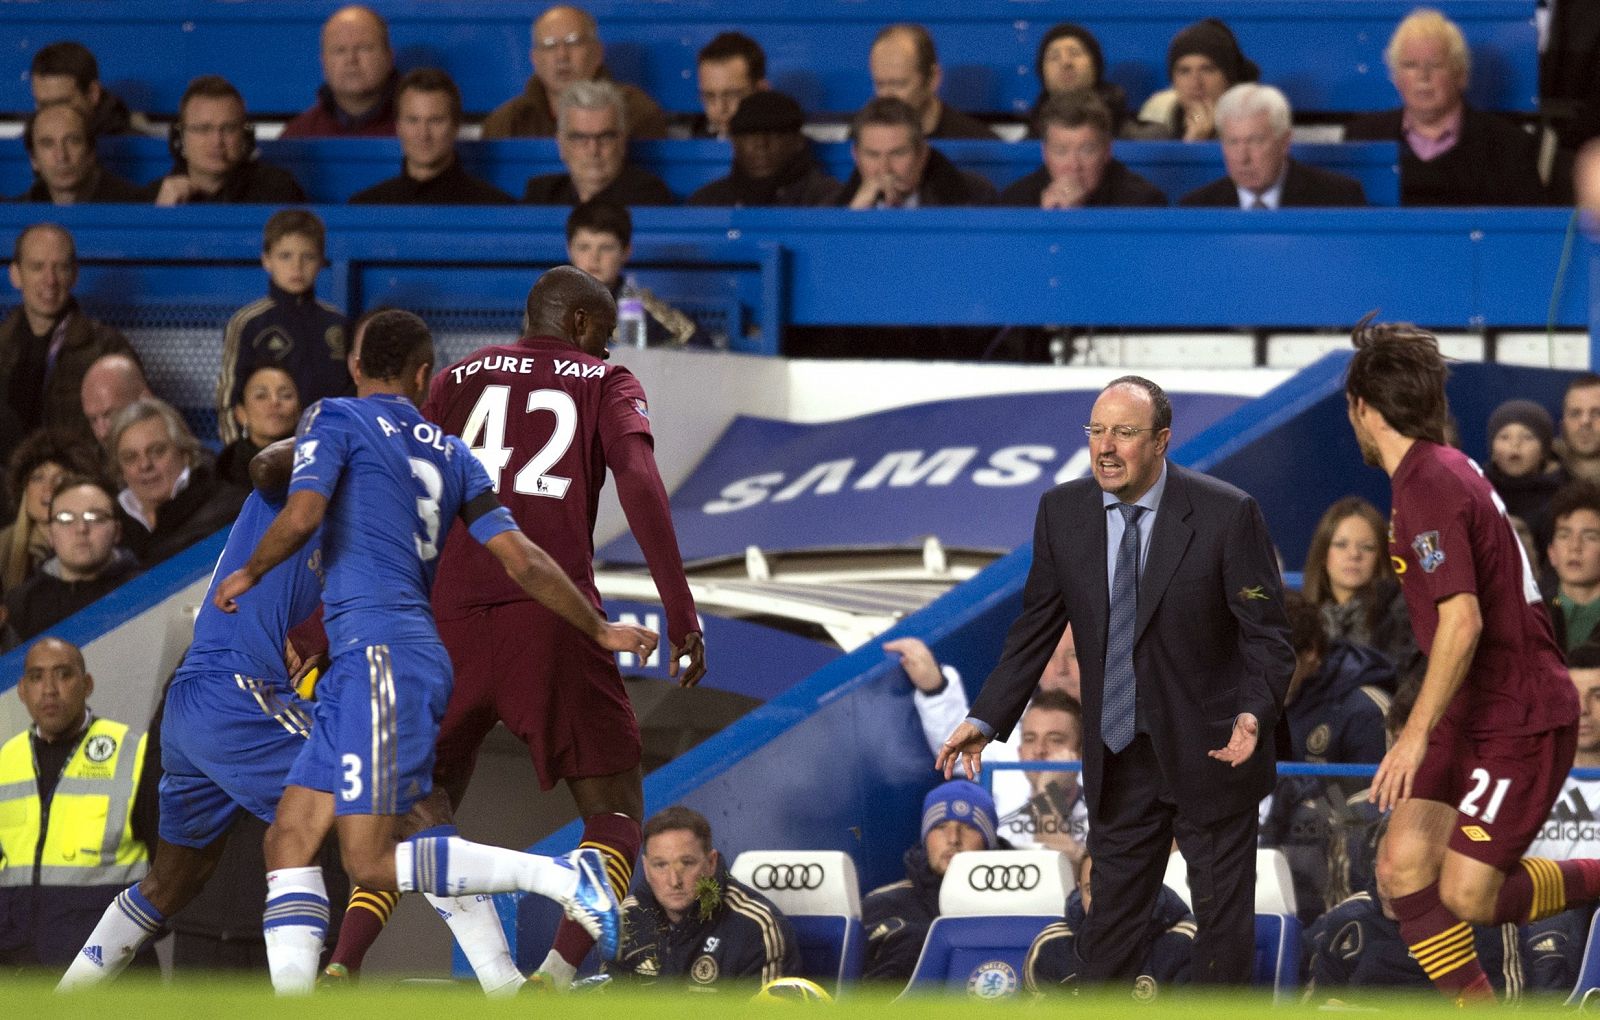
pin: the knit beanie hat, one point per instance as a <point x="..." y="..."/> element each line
<point x="1527" y="413"/>
<point x="766" y="110"/>
<point x="963" y="801"/>
<point x="1215" y="41"/>
<point x="1067" y="30"/>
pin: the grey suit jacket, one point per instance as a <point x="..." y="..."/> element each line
<point x="1211" y="637"/>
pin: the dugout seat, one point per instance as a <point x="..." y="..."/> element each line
<point x="1274" y="883"/>
<point x="1277" y="959"/>
<point x="991" y="906"/>
<point x="818" y="892"/>
<point x="1589" y="969"/>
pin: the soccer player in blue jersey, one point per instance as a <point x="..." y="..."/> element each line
<point x="232" y="728"/>
<point x="384" y="485"/>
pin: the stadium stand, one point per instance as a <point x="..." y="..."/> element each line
<point x="1326" y="57"/>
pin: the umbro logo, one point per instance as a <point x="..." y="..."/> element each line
<point x="93" y="953"/>
<point x="1476" y="834"/>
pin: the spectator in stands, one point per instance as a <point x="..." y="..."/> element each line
<point x="171" y="496"/>
<point x="289" y="328"/>
<point x="1078" y="169"/>
<point x="1253" y="122"/>
<point x="112" y="382"/>
<point x="267" y="411"/>
<point x="1053" y="960"/>
<point x="47" y="342"/>
<point x="692" y="922"/>
<point x="896" y="168"/>
<point x="68" y="71"/>
<point x="1579" y="444"/>
<point x="63" y="856"/>
<point x="1070" y="64"/>
<point x="1574" y="555"/>
<point x="356" y="98"/>
<point x="1573" y="829"/>
<point x="905" y="66"/>
<point x="1350" y="579"/>
<point x="728" y="68"/>
<point x="957" y="816"/>
<point x="1338" y="695"/>
<point x="39" y="462"/>
<point x="593" y="142"/>
<point x="1450" y="153"/>
<point x="600" y="242"/>
<point x="66" y="168"/>
<point x="213" y="153"/>
<point x="1037" y="810"/>
<point x="1203" y="61"/>
<point x="428" y="106"/>
<point x="566" y="50"/>
<point x="1522" y="466"/>
<point x="87" y="561"/>
<point x="772" y="161"/>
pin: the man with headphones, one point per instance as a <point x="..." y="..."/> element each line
<point x="213" y="150"/>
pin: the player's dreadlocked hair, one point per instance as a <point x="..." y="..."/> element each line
<point x="1398" y="371"/>
<point x="393" y="344"/>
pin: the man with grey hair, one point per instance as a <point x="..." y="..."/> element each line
<point x="567" y="49"/>
<point x="171" y="496"/>
<point x="592" y="136"/>
<point x="1253" y="122"/>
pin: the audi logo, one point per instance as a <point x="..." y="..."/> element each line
<point x="1004" y="877"/>
<point x="788" y="876"/>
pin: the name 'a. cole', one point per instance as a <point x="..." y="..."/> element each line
<point x="524" y="365"/>
<point x="424" y="432"/>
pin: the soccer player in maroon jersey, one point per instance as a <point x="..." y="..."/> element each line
<point x="1474" y="772"/>
<point x="546" y="416"/>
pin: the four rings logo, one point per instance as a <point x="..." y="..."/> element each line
<point x="788" y="876"/>
<point x="1004" y="877"/>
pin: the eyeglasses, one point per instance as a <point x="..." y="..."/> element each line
<point x="571" y="39"/>
<point x="1122" y="432"/>
<point x="66" y="518"/>
<point x="231" y="129"/>
<point x="611" y="137"/>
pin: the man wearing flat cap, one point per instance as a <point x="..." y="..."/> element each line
<point x="772" y="162"/>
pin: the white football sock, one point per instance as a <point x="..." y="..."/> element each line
<point x="475" y="923"/>
<point x="294" y="924"/>
<point x="452" y="866"/>
<point x="559" y="970"/>
<point x="128" y="923"/>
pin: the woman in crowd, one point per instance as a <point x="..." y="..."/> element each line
<point x="267" y="411"/>
<point x="171" y="496"/>
<point x="39" y="462"/>
<point x="1351" y="581"/>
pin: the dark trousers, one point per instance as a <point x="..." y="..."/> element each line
<point x="1130" y="836"/>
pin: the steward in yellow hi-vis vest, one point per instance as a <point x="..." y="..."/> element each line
<point x="76" y="810"/>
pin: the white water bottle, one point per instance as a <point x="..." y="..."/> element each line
<point x="630" y="314"/>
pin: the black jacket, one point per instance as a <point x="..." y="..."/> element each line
<point x="1053" y="959"/>
<point x="943" y="183"/>
<point x="205" y="506"/>
<point x="1302" y="186"/>
<point x="801" y="182"/>
<point x="45" y="599"/>
<point x="104" y="186"/>
<point x="38" y="393"/>
<point x="454" y="186"/>
<point x="1118" y="186"/>
<point x="1493" y="163"/>
<point x="250" y="182"/>
<point x="741" y="936"/>
<point x="632" y="187"/>
<point x="1338" y="714"/>
<point x="955" y="124"/>
<point x="897" y="918"/>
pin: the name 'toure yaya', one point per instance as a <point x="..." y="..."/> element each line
<point x="522" y="366"/>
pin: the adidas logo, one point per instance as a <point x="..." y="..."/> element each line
<point x="1572" y="808"/>
<point x="93" y="953"/>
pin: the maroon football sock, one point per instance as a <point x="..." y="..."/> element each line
<point x="1442" y="944"/>
<point x="364" y="918"/>
<point x="1539" y="888"/>
<point x="617" y="839"/>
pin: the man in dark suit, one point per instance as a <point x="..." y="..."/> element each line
<point x="1184" y="665"/>
<point x="1253" y="122"/>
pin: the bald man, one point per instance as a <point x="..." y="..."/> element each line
<point x="356" y="99"/>
<point x="905" y="65"/>
<point x="567" y="49"/>
<point x="557" y="431"/>
<point x="112" y="383"/>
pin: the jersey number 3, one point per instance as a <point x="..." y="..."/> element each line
<point x="485" y="434"/>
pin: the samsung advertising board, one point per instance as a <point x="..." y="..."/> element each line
<point x="968" y="471"/>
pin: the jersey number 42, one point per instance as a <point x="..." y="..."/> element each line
<point x="485" y="434"/>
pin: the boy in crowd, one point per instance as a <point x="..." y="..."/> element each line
<point x="289" y="327"/>
<point x="600" y="242"/>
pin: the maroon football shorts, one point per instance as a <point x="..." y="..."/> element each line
<point x="1502" y="787"/>
<point x="553" y="687"/>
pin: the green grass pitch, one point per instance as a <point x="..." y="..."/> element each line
<point x="33" y="998"/>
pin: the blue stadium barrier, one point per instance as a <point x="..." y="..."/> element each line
<point x="333" y="169"/>
<point x="1326" y="56"/>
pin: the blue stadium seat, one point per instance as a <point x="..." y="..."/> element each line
<point x="1589" y="972"/>
<point x="992" y="905"/>
<point x="818" y="892"/>
<point x="1277" y="954"/>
